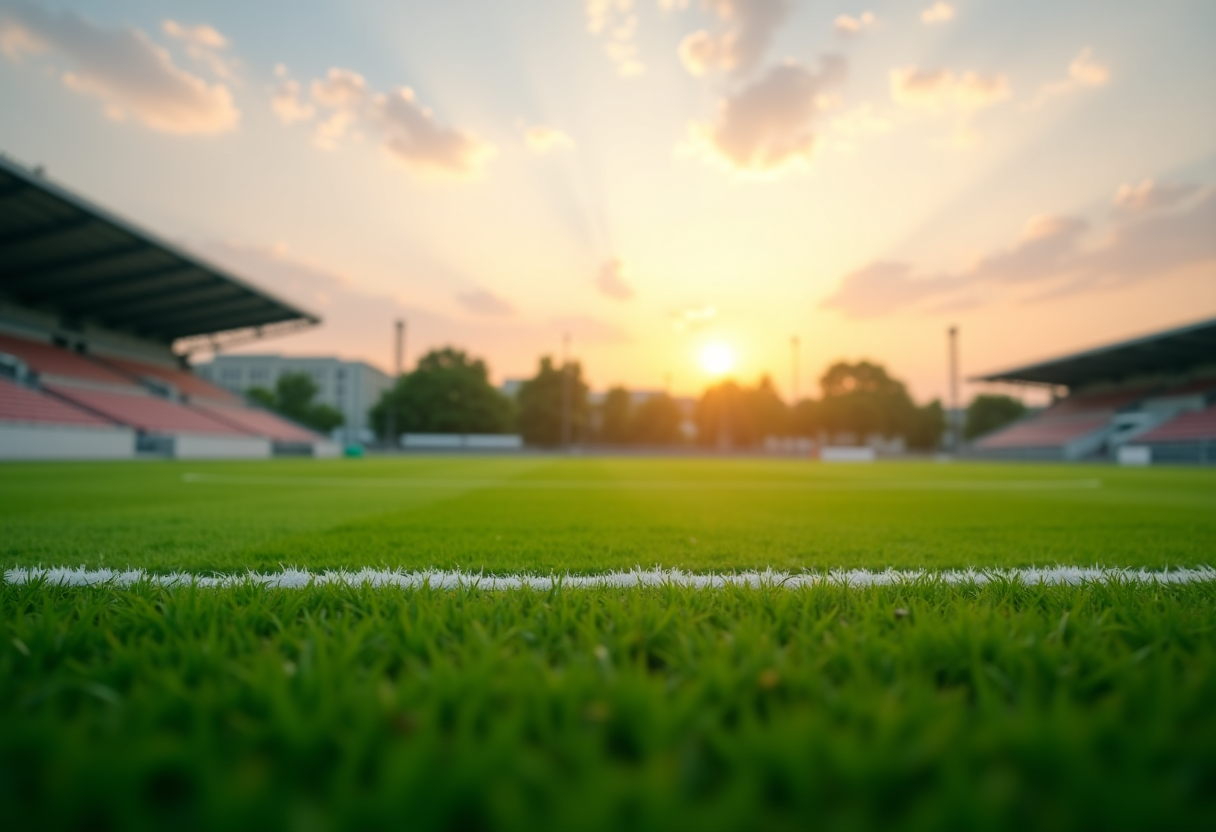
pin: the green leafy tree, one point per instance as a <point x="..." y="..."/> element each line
<point x="262" y="396"/>
<point x="730" y="415"/>
<point x="657" y="421"/>
<point x="616" y="412"/>
<point x="448" y="392"/>
<point x="986" y="413"/>
<point x="806" y="418"/>
<point x="293" y="397"/>
<point x="863" y="399"/>
<point x="540" y="404"/>
<point x="924" y="432"/>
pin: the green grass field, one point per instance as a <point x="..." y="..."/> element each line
<point x="914" y="706"/>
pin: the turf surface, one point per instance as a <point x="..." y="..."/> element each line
<point x="917" y="706"/>
<point x="544" y="515"/>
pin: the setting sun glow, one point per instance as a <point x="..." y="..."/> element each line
<point x="717" y="359"/>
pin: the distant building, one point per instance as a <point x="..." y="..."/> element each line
<point x="351" y="387"/>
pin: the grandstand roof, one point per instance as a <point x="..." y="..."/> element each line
<point x="1172" y="351"/>
<point x="63" y="254"/>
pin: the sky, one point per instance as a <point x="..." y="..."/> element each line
<point x="664" y="181"/>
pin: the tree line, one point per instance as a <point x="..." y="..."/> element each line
<point x="449" y="391"/>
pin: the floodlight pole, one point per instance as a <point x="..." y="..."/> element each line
<point x="955" y="432"/>
<point x="566" y="390"/>
<point x="390" y="416"/>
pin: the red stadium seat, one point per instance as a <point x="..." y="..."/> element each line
<point x="1197" y="426"/>
<point x="187" y="383"/>
<point x="21" y="404"/>
<point x="1042" y="433"/>
<point x="259" y="423"/>
<point x="49" y="360"/>
<point x="146" y="412"/>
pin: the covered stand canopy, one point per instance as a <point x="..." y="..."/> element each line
<point x="1173" y="351"/>
<point x="63" y="255"/>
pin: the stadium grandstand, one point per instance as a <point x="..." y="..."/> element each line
<point x="97" y="322"/>
<point x="1150" y="399"/>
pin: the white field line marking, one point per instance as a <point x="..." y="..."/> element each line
<point x="655" y="485"/>
<point x="442" y="579"/>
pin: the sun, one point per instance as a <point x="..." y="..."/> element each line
<point x="717" y="359"/>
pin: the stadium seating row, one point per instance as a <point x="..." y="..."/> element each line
<point x="1085" y="424"/>
<point x="159" y="404"/>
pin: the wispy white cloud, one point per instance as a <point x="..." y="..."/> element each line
<point x="408" y="131"/>
<point x="611" y="281"/>
<point x="750" y="25"/>
<point x="1055" y="256"/>
<point x="940" y="90"/>
<point x="205" y="46"/>
<point x="1151" y="196"/>
<point x="123" y="68"/>
<point x="944" y="92"/>
<point x="692" y="318"/>
<point x="286" y="98"/>
<point x="541" y="138"/>
<point x="848" y="26"/>
<point x="939" y="12"/>
<point x="615" y="22"/>
<point x="769" y="125"/>
<point x="1083" y="72"/>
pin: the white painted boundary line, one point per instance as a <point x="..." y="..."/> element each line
<point x="441" y="579"/>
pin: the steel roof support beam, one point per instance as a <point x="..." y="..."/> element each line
<point x="241" y="306"/>
<point x="44" y="271"/>
<point x="90" y="288"/>
<point x="37" y="233"/>
<point x="217" y="322"/>
<point x="125" y="311"/>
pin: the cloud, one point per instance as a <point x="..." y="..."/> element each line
<point x="939" y="12"/>
<point x="751" y="25"/>
<point x="1083" y="71"/>
<point x="286" y="100"/>
<point x="586" y="329"/>
<point x="944" y="92"/>
<point x="881" y="288"/>
<point x="200" y="34"/>
<point x="408" y="131"/>
<point x="1087" y="72"/>
<point x="1150" y="196"/>
<point x="692" y="318"/>
<point x="847" y="26"/>
<point x="614" y="21"/>
<point x="205" y="46"/>
<point x="768" y="125"/>
<point x="484" y="302"/>
<point x="1055" y="256"/>
<point x="611" y="281"/>
<point x="541" y="139"/>
<point x="130" y="74"/>
<point x="940" y="90"/>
